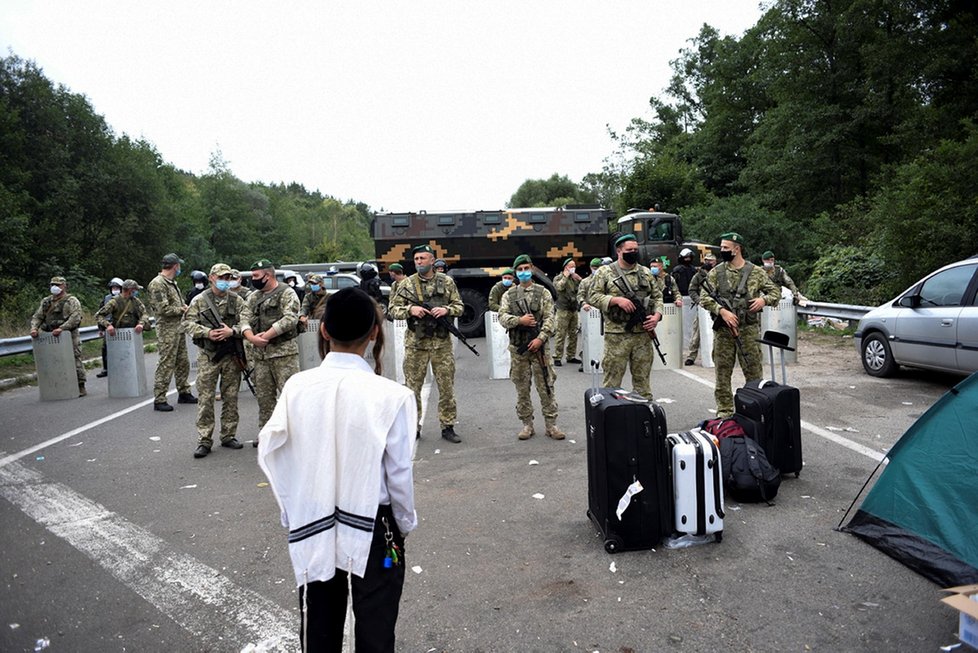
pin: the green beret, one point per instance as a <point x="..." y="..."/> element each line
<point x="595" y="263"/>
<point x="396" y="267"/>
<point x="262" y="264"/>
<point x="624" y="239"/>
<point x="522" y="258"/>
<point x="508" y="271"/>
<point x="423" y="248"/>
<point x="733" y="236"/>
<point x="767" y="254"/>
<point x="566" y="261"/>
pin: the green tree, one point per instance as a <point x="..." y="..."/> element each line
<point x="556" y="191"/>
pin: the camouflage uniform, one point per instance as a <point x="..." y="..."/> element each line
<point x="310" y="302"/>
<point x="425" y="342"/>
<point x="528" y="364"/>
<point x="726" y="283"/>
<point x="62" y="312"/>
<point x="122" y="313"/>
<point x="668" y="287"/>
<point x="232" y="311"/>
<point x="583" y="289"/>
<point x="694" y="297"/>
<point x="781" y="279"/>
<point x="626" y="345"/>
<point x="166" y="302"/>
<point x="277" y="309"/>
<point x="496" y="295"/>
<point x="567" y="316"/>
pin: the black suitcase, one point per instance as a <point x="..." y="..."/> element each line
<point x="626" y="442"/>
<point x="774" y="413"/>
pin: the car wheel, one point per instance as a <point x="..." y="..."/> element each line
<point x="471" y="323"/>
<point x="877" y="357"/>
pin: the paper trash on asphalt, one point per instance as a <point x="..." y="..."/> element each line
<point x="534" y="462"/>
<point x="537" y="496"/>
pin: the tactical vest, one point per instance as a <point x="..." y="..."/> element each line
<point x="521" y="302"/>
<point x="739" y="298"/>
<point x="428" y="326"/>
<point x="228" y="317"/>
<point x="125" y="312"/>
<point x="268" y="310"/>
<point x="567" y="298"/>
<point x="642" y="290"/>
<point x="53" y="312"/>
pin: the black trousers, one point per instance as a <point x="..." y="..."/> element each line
<point x="376" y="599"/>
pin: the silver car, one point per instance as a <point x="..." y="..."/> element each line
<point x="932" y="325"/>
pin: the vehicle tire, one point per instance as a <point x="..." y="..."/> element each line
<point x="472" y="322"/>
<point x="877" y="357"/>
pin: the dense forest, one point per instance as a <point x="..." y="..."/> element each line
<point x="842" y="134"/>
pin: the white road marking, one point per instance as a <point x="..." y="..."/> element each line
<point x="811" y="428"/>
<point x="195" y="596"/>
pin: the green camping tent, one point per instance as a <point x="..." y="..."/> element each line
<point x="923" y="510"/>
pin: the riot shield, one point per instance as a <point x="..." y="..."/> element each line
<point x="126" y="364"/>
<point x="309" y="346"/>
<point x="592" y="337"/>
<point x="54" y="358"/>
<point x="497" y="342"/>
<point x="670" y="334"/>
<point x="782" y="318"/>
<point x="706" y="337"/>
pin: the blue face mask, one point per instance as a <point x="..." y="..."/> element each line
<point x="655" y="271"/>
<point x="314" y="287"/>
<point x="524" y="275"/>
<point x="177" y="273"/>
<point x="135" y="293"/>
<point x="507" y="282"/>
<point x="222" y="285"/>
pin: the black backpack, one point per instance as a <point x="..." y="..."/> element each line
<point x="749" y="477"/>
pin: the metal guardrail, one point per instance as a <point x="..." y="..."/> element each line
<point x="838" y="311"/>
<point x="22" y="344"/>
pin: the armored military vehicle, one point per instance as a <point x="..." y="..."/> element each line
<point x="479" y="245"/>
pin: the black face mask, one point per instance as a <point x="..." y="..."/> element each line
<point x="630" y="257"/>
<point x="258" y="283"/>
<point x="727" y="255"/>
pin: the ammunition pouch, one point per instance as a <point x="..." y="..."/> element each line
<point x="427" y="327"/>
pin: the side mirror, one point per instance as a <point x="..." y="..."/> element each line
<point x="910" y="301"/>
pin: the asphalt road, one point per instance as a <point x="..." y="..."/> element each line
<point x="115" y="539"/>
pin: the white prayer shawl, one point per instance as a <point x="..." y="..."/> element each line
<point x="322" y="451"/>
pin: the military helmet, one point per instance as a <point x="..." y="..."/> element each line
<point x="440" y="263"/>
<point x="115" y="281"/>
<point x="198" y="275"/>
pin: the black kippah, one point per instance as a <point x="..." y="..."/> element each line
<point x="350" y="314"/>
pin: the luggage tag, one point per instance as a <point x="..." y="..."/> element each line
<point x="393" y="557"/>
<point x="626" y="499"/>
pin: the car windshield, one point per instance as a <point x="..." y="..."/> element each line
<point x="946" y="288"/>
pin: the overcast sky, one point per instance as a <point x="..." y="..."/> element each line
<point x="434" y="105"/>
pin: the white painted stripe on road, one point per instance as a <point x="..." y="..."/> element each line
<point x="6" y="460"/>
<point x="195" y="596"/>
<point x="811" y="428"/>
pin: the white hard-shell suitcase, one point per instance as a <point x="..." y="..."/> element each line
<point x="697" y="483"/>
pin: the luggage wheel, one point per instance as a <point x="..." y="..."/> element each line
<point x="719" y="536"/>
<point x="612" y="544"/>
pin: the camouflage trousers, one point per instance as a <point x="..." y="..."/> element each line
<point x="725" y="354"/>
<point x="207" y="374"/>
<point x="269" y="376"/>
<point x="172" y="347"/>
<point x="525" y="369"/>
<point x="567" y="323"/>
<point x="694" y="340"/>
<point x="442" y="360"/>
<point x="628" y="350"/>
<point x="76" y="349"/>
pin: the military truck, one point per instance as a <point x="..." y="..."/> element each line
<point x="479" y="245"/>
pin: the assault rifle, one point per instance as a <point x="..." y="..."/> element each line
<point x="639" y="315"/>
<point x="443" y="321"/>
<point x="541" y="355"/>
<point x="718" y="321"/>
<point x="233" y="346"/>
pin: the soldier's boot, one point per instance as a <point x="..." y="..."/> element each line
<point x="186" y="398"/>
<point x="527" y="431"/>
<point x="162" y="406"/>
<point x="554" y="432"/>
<point x="81" y="389"/>
<point x="557" y="362"/>
<point x="574" y="360"/>
<point x="448" y="433"/>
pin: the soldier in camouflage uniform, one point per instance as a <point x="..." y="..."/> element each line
<point x="60" y="312"/>
<point x="747" y="289"/>
<point x="214" y="319"/>
<point x="527" y="312"/>
<point x="124" y="311"/>
<point x="584" y="288"/>
<point x="236" y="287"/>
<point x="397" y="276"/>
<point x="497" y="291"/>
<point x="315" y="296"/>
<point x="426" y="341"/>
<point x="168" y="306"/>
<point x="694" y="296"/>
<point x="274" y="311"/>
<point x="627" y="342"/>
<point x="566" y="283"/>
<point x="780" y="278"/>
<point x="667" y="285"/>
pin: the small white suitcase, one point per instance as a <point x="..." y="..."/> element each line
<point x="697" y="483"/>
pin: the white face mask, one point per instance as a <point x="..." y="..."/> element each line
<point x="55" y="290"/>
<point x="235" y="284"/>
<point x="571" y="270"/>
<point x="115" y="292"/>
<point x="768" y="264"/>
<point x="199" y="286"/>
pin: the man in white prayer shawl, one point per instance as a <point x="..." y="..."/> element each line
<point x="337" y="453"/>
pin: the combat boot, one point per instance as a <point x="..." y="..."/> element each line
<point x="448" y="433"/>
<point x="186" y="398"/>
<point x="81" y="390"/>
<point x="554" y="432"/>
<point x="527" y="431"/>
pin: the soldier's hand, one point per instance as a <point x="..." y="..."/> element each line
<point x="56" y="333"/>
<point x="651" y="322"/>
<point x="576" y="277"/>
<point x="623" y="303"/>
<point x="730" y="319"/>
<point x="757" y="304"/>
<point x="534" y="345"/>
<point x="257" y="341"/>
<point x="586" y="307"/>
<point x="139" y="328"/>
<point x="679" y="302"/>
<point x="33" y="333"/>
<point x="528" y="320"/>
<point x="418" y="311"/>
<point x="110" y="330"/>
<point x="439" y="311"/>
<point x="303" y="319"/>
